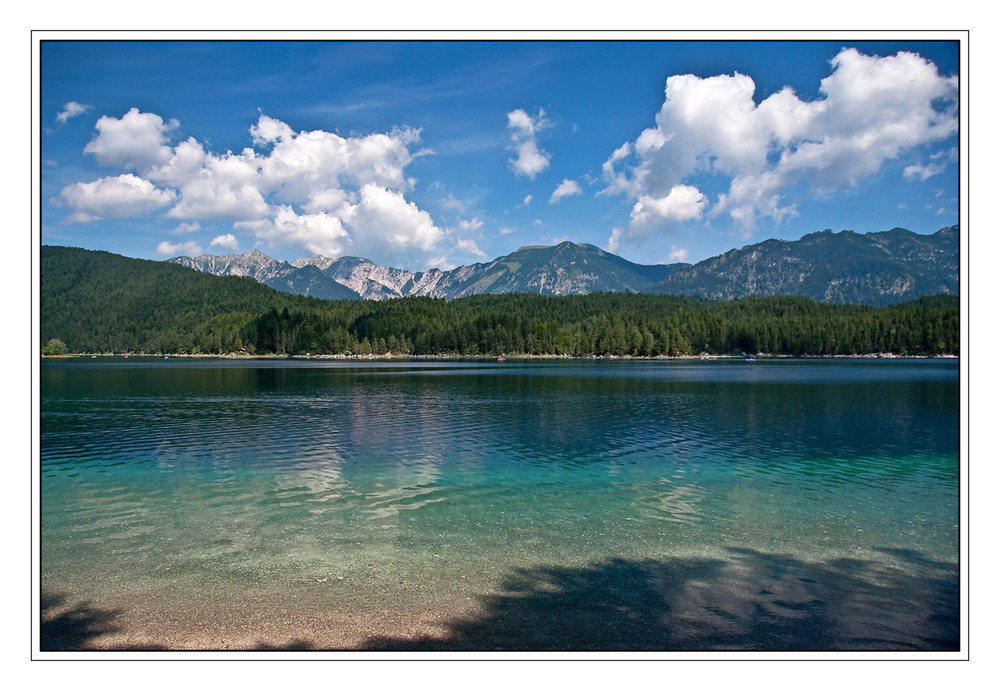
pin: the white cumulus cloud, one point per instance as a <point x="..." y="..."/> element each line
<point x="871" y="109"/>
<point x="469" y="247"/>
<point x="318" y="233"/>
<point x="384" y="222"/>
<point x="300" y="163"/>
<point x="112" y="197"/>
<point x="566" y="188"/>
<point x="530" y="160"/>
<point x="614" y="241"/>
<point x="922" y="172"/>
<point x="226" y="242"/>
<point x="310" y="191"/>
<point x="678" y="254"/>
<point x="683" y="203"/>
<point x="224" y="187"/>
<point x="187" y="249"/>
<point x="71" y="110"/>
<point x="136" y="140"/>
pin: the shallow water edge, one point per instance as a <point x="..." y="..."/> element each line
<point x="580" y="505"/>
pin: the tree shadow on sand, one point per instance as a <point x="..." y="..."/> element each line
<point x="748" y="601"/>
<point x="73" y="627"/>
<point x="745" y="600"/>
<point x="80" y="626"/>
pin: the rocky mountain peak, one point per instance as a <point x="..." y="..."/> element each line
<point x="870" y="268"/>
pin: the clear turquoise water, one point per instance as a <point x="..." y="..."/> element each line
<point x="792" y="504"/>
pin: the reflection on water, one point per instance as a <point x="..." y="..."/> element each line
<point x="273" y="471"/>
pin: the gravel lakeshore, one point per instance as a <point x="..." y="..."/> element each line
<point x="750" y="601"/>
<point x="254" y="624"/>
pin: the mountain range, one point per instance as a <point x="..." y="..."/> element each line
<point x="841" y="268"/>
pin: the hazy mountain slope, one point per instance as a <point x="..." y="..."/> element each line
<point x="300" y="277"/>
<point x="310" y="280"/>
<point x="845" y="267"/>
<point x="565" y="269"/>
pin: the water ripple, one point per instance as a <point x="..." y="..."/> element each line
<point x="218" y="470"/>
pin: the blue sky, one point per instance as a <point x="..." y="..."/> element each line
<point x="417" y="154"/>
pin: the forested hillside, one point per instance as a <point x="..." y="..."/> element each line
<point x="103" y="302"/>
<point x="100" y="302"/>
<point x="840" y="268"/>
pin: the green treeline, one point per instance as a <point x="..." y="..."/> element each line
<point x="607" y="324"/>
<point x="99" y="302"/>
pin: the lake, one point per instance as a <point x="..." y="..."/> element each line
<point x="668" y="505"/>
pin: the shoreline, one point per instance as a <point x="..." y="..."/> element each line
<point x="672" y="603"/>
<point x="259" y="622"/>
<point x="488" y="358"/>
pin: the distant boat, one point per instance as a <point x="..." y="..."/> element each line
<point x="751" y="359"/>
<point x="501" y="359"/>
